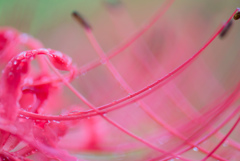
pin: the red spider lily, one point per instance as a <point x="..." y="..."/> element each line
<point x="166" y="124"/>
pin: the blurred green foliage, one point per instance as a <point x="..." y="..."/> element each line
<point x="33" y="15"/>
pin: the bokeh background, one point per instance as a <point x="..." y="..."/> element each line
<point x="181" y="32"/>
<point x="51" y="21"/>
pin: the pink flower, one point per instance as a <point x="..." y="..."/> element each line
<point x="150" y="98"/>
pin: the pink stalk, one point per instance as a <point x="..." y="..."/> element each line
<point x="132" y="39"/>
<point x="222" y="141"/>
<point x="145" y="90"/>
<point x="22" y="100"/>
<point x="96" y="110"/>
<point x="128" y="89"/>
<point x="209" y="134"/>
<point x="127" y="42"/>
<point x="82" y="98"/>
<point x="184" y="105"/>
<point x="205" y="124"/>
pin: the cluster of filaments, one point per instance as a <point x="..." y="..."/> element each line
<point x="27" y="132"/>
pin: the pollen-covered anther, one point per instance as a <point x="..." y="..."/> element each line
<point x="81" y="20"/>
<point x="237" y="15"/>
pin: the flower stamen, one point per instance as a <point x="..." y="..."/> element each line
<point x="237" y="14"/>
<point x="81" y="20"/>
<point x="226" y="29"/>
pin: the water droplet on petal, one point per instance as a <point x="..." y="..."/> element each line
<point x="195" y="149"/>
<point x="34" y="52"/>
<point x="58" y="122"/>
<point x="15" y="62"/>
<point x="224" y="144"/>
<point x="74" y="112"/>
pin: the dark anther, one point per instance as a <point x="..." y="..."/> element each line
<point x="81" y="20"/>
<point x="237" y="15"/>
<point x="226" y="29"/>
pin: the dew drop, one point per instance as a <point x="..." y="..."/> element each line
<point x="21" y="55"/>
<point x="224" y="144"/>
<point x="163" y="140"/>
<point x="32" y="58"/>
<point x="114" y="102"/>
<point x="195" y="149"/>
<point x="34" y="52"/>
<point x="74" y="112"/>
<point x="43" y="50"/>
<point x="15" y="62"/>
<point x="58" y="53"/>
<point x="25" y="54"/>
<point x="58" y="122"/>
